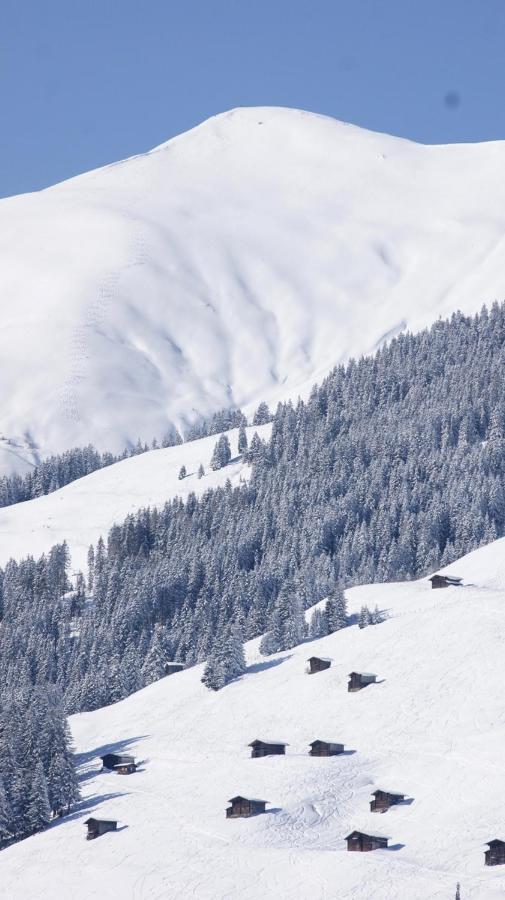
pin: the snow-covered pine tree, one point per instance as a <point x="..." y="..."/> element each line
<point x="242" y="440"/>
<point x="38" y="811"/>
<point x="222" y="453"/>
<point x="336" y="612"/>
<point x="5" y="816"/>
<point x="262" y="415"/>
<point x="182" y="473"/>
<point x="364" y="617"/>
<point x="201" y="471"/>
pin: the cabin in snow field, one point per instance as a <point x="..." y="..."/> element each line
<point x="243" y="807"/>
<point x="97" y="827"/>
<point x="359" y="680"/>
<point x="111" y="760"/>
<point x="495" y="856"/>
<point x="359" y="842"/>
<point x="383" y="800"/>
<point x="171" y="668"/>
<point x="318" y="664"/>
<point x="125" y="768"/>
<point x="267" y="748"/>
<point x="325" y="748"/>
<point x="443" y="581"/>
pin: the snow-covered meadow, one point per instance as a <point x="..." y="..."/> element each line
<point x="86" y="509"/>
<point x="236" y="263"/>
<point x="433" y="728"/>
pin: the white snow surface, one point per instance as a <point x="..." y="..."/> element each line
<point x="86" y="509"/>
<point x="238" y="262"/>
<point x="432" y="728"/>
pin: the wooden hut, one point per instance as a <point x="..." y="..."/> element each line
<point x="125" y="768"/>
<point x="267" y="748"/>
<point x="318" y="664"/>
<point x="172" y="667"/>
<point x="325" y="748"/>
<point x="383" y="800"/>
<point x="111" y="760"/>
<point x="359" y="842"/>
<point x="495" y="856"/>
<point x="243" y="807"/>
<point x="359" y="680"/>
<point x="97" y="827"/>
<point x="443" y="581"/>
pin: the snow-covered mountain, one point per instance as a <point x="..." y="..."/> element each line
<point x="432" y="728"/>
<point x="235" y="263"/>
<point x="85" y="509"/>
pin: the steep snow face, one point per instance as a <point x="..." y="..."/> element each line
<point x="82" y="511"/>
<point x="236" y="263"/>
<point x="432" y="728"/>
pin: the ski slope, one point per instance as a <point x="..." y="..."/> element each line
<point x="85" y="509"/>
<point x="238" y="262"/>
<point x="433" y="727"/>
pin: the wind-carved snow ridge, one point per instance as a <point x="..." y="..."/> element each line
<point x="236" y="263"/>
<point x="431" y="728"/>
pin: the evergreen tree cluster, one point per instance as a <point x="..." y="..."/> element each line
<point x="37" y="777"/>
<point x="394" y="466"/>
<point x="226" y="659"/>
<point x="369" y="616"/>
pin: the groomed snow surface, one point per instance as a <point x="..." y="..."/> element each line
<point x="236" y="263"/>
<point x="86" y="509"/>
<point x="433" y="728"/>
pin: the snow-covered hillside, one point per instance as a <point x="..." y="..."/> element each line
<point x="87" y="508"/>
<point x="433" y="728"/>
<point x="236" y="263"/>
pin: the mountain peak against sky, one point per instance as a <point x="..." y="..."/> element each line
<point x="236" y="263"/>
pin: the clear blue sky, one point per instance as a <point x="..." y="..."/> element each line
<point x="87" y="82"/>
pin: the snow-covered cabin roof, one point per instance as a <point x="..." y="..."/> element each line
<point x="270" y="741"/>
<point x="452" y="579"/>
<point x="249" y="799"/>
<point x="322" y="658"/>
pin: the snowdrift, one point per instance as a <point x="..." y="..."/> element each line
<point x="432" y="728"/>
<point x="236" y="263"/>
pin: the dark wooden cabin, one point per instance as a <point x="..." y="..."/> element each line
<point x="359" y="842"/>
<point x="111" y="760"/>
<point x="383" y="800"/>
<point x="172" y="667"/>
<point x="325" y="748"/>
<point x="267" y="748"/>
<point x="96" y="827"/>
<point x="243" y="807"/>
<point x="443" y="581"/>
<point x="495" y="856"/>
<point x="359" y="680"/>
<point x="318" y="664"/>
<point x="125" y="768"/>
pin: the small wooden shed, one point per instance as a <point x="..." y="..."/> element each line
<point x="97" y="827"/>
<point x="495" y="856"/>
<point x="318" y="664"/>
<point x="383" y="800"/>
<point x="443" y="581"/>
<point x="325" y="748"/>
<point x="111" y="760"/>
<point x="243" y="807"/>
<point x="359" y="842"/>
<point x="125" y="768"/>
<point x="359" y="680"/>
<point x="267" y="748"/>
<point x="172" y="667"/>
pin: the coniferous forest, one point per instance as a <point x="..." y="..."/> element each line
<point x="393" y="466"/>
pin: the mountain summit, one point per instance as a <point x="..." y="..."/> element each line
<point x="236" y="263"/>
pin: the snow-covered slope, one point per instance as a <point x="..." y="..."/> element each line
<point x="236" y="263"/>
<point x="87" y="508"/>
<point x="433" y="727"/>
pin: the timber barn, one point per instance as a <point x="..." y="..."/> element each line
<point x="125" y="768"/>
<point x="267" y="748"/>
<point x="325" y="748"/>
<point x="359" y="680"/>
<point x="111" y="760"/>
<point x="443" y="581"/>
<point x="318" y="664"/>
<point x="359" y="842"/>
<point x="243" y="807"/>
<point x="382" y="800"/>
<point x="97" y="827"/>
<point x="495" y="856"/>
<point x="172" y="667"/>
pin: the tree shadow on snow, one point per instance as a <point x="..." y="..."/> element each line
<point x="84" y="807"/>
<point x="81" y="759"/>
<point x="268" y="664"/>
<point x="396" y="847"/>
